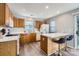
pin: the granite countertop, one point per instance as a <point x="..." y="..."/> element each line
<point x="55" y="35"/>
<point x="11" y="38"/>
<point x="8" y="38"/>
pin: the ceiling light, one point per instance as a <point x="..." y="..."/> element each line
<point x="47" y="7"/>
<point x="58" y="12"/>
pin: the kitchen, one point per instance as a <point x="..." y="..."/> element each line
<point x="25" y="33"/>
<point x="14" y="29"/>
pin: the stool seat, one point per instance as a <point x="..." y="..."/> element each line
<point x="70" y="37"/>
<point x="60" y="41"/>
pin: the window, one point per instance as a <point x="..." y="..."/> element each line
<point x="52" y="26"/>
<point x="29" y="25"/>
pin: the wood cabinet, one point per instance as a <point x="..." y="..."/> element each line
<point x="48" y="45"/>
<point x="18" y="22"/>
<point x="32" y="37"/>
<point x="38" y="24"/>
<point x="43" y="43"/>
<point x="8" y="48"/>
<point x="5" y="13"/>
<point x="2" y="14"/>
<point x="8" y="13"/>
<point x="26" y="38"/>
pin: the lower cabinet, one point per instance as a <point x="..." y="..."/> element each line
<point x="8" y="48"/>
<point x="26" y="38"/>
<point x="32" y="37"/>
<point x="43" y="43"/>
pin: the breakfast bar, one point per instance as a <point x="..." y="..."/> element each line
<point x="48" y="46"/>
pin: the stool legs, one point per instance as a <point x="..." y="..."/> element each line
<point x="65" y="46"/>
<point x="58" y="49"/>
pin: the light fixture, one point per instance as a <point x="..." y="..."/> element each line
<point x="47" y="7"/>
<point x="58" y="11"/>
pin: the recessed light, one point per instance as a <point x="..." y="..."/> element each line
<point x="47" y="7"/>
<point x="58" y="12"/>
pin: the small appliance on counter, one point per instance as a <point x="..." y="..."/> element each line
<point x="3" y="32"/>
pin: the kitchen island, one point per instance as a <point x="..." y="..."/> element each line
<point x="48" y="46"/>
<point x="9" y="46"/>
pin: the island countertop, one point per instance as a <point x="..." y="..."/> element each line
<point x="47" y="43"/>
<point x="55" y="35"/>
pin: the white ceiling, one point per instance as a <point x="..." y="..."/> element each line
<point x="38" y="10"/>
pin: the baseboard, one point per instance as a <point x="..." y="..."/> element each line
<point x="71" y="47"/>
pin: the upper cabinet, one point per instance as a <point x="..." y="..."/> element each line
<point x="38" y="24"/>
<point x="2" y="14"/>
<point x="18" y="22"/>
<point x="5" y="14"/>
<point x="8" y="13"/>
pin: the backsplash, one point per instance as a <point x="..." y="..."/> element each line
<point x="16" y="30"/>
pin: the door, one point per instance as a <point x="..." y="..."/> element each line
<point x="77" y="32"/>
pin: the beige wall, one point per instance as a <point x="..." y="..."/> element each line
<point x="65" y="23"/>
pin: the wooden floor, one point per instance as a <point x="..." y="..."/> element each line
<point x="33" y="49"/>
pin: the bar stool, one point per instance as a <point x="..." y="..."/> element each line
<point x="68" y="38"/>
<point x="59" y="42"/>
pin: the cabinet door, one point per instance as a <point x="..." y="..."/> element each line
<point x="8" y="48"/>
<point x="2" y="14"/>
<point x="32" y="37"/>
<point x="38" y="24"/>
<point x="43" y="44"/>
<point x="15" y="21"/>
<point x="24" y="39"/>
<point x="18" y="22"/>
